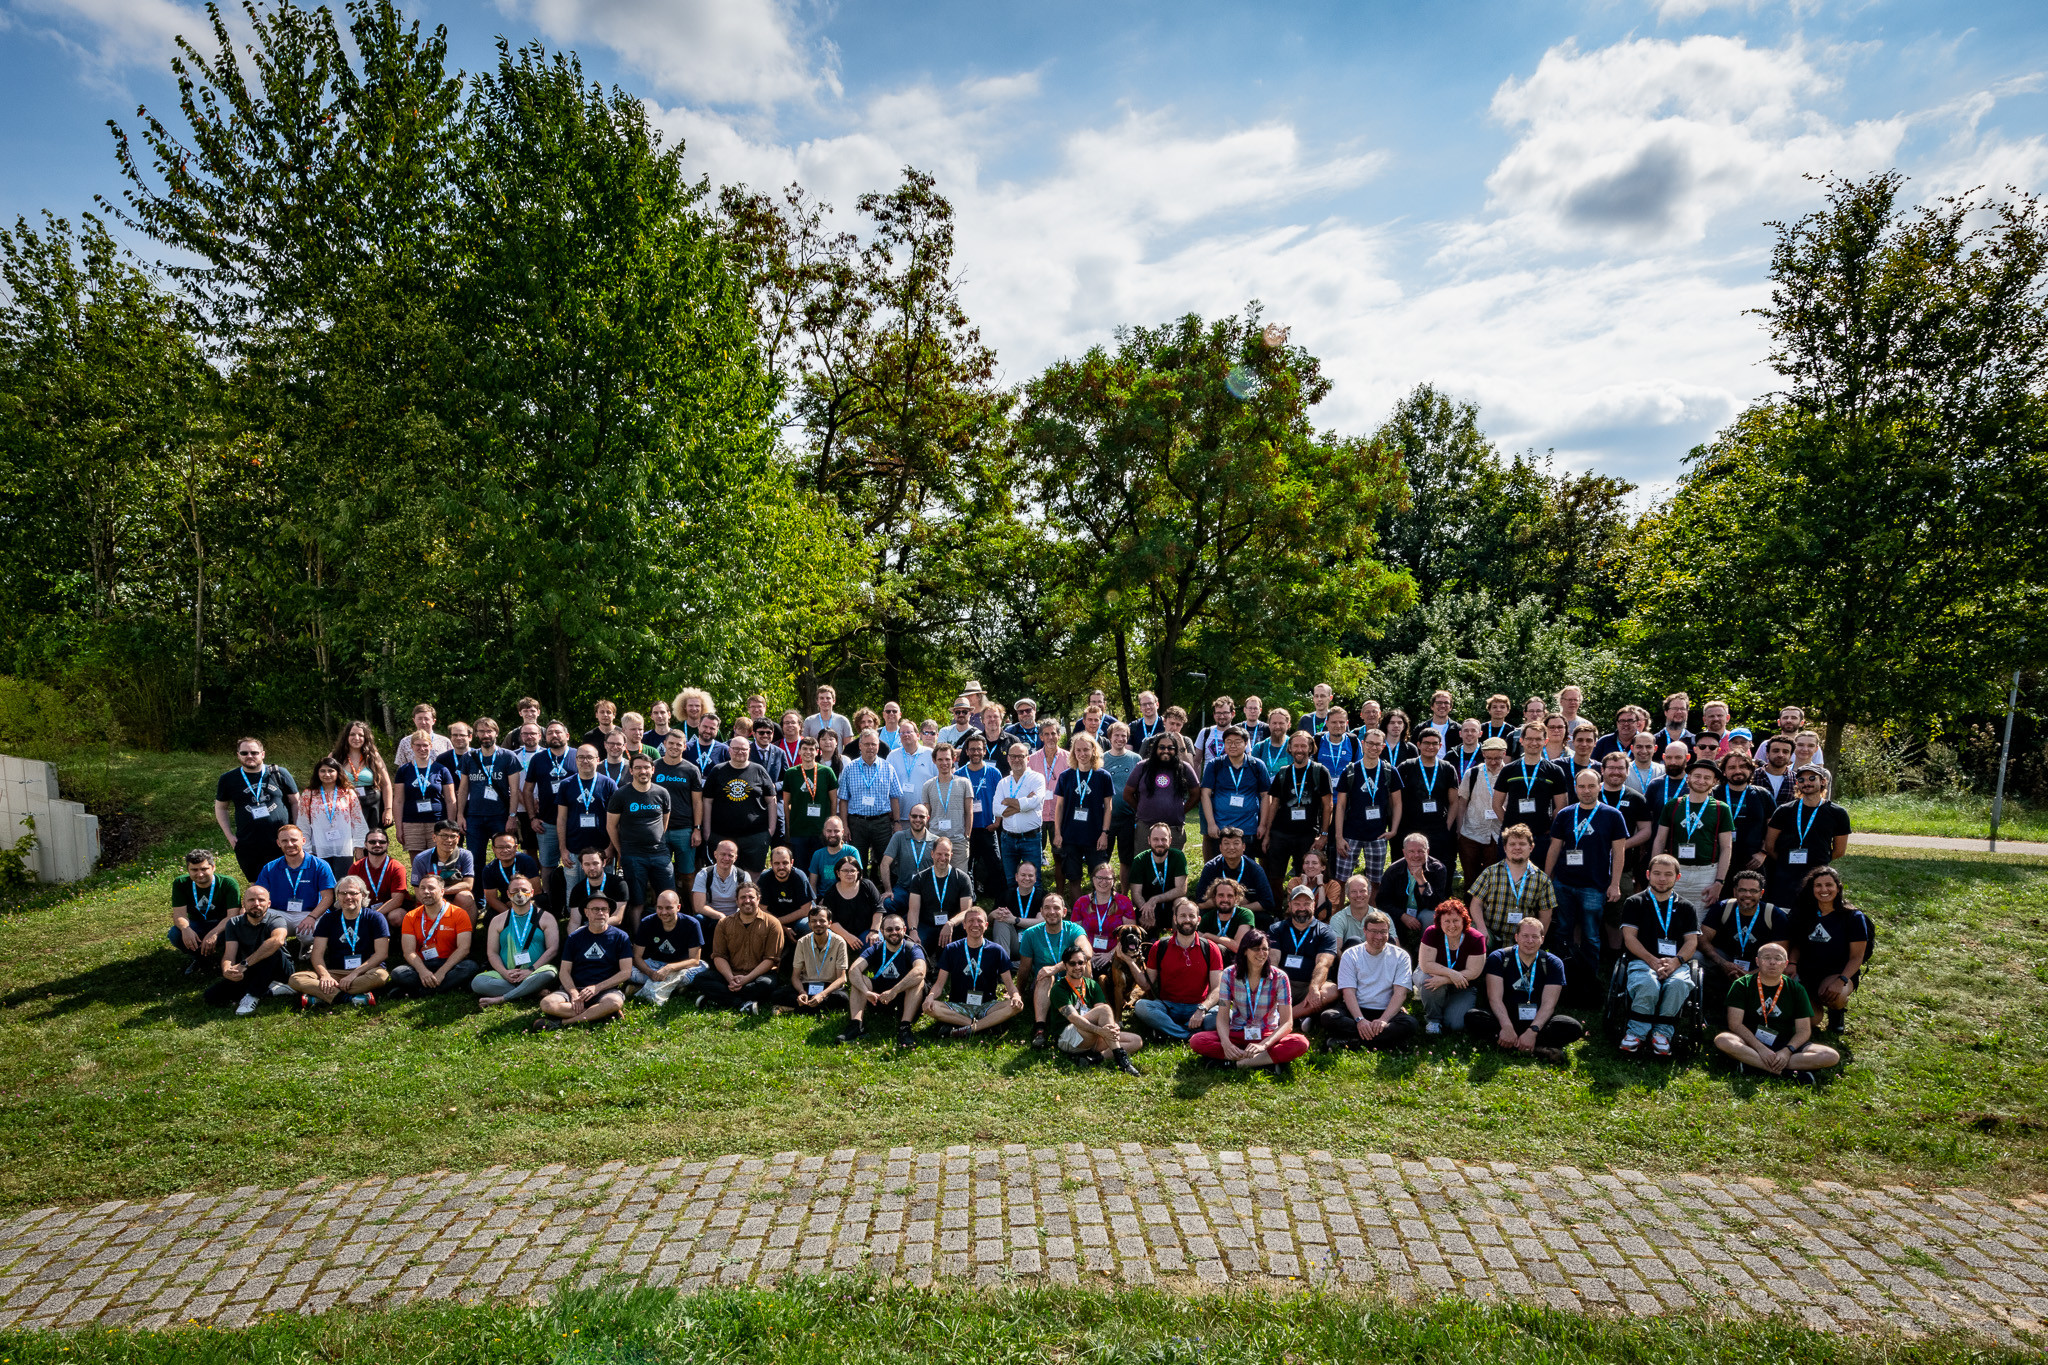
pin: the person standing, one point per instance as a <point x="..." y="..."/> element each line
<point x="1368" y="808"/>
<point x="1233" y="789"/>
<point x="1081" y="803"/>
<point x="489" y="789"/>
<point x="825" y="718"/>
<point x="740" y="801"/>
<point x="809" y="798"/>
<point x="251" y="803"/>
<point x="546" y="773"/>
<point x="426" y="792"/>
<point x="1020" y="811"/>
<point x="1698" y="829"/>
<point x="684" y="784"/>
<point x="949" y="798"/>
<point x="335" y="823"/>
<point x="1431" y="789"/>
<point x="1803" y="835"/>
<point x="1480" y="801"/>
<point x="362" y="766"/>
<point x="1588" y="842"/>
<point x="870" y="801"/>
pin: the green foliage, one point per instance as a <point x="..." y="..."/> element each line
<point x="15" y="873"/>
<point x="1209" y="532"/>
<point x="1473" y="645"/>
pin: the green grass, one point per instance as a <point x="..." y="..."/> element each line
<point x="1953" y="817"/>
<point x="851" y="1322"/>
<point x="116" y="1080"/>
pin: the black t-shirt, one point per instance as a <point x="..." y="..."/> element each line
<point x="1823" y="942"/>
<point x="1739" y="933"/>
<point x="569" y="890"/>
<point x="1426" y="796"/>
<point x="490" y="781"/>
<point x="369" y="926"/>
<point x="258" y="798"/>
<point x="1518" y="986"/>
<point x="938" y="898"/>
<point x="1297" y="795"/>
<point x="784" y="896"/>
<point x="738" y="800"/>
<point x="596" y="957"/>
<point x="679" y="780"/>
<point x="1658" y="920"/>
<point x="545" y="773"/>
<point x="1811" y="830"/>
<point x="1367" y="796"/>
<point x="1752" y="810"/>
<point x="204" y="909"/>
<point x="1531" y="790"/>
<point x="640" y="819"/>
<point x="1296" y="949"/>
<point x="1399" y="894"/>
<point x="974" y="972"/>
<point x="1633" y="808"/>
<point x="492" y="875"/>
<point x="595" y="738"/>
<point x="856" y="913"/>
<point x="670" y="943"/>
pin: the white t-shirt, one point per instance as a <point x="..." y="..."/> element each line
<point x="1374" y="978"/>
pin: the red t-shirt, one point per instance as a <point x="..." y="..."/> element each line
<point x="1184" y="972"/>
<point x="383" y="886"/>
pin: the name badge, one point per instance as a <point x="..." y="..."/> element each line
<point x="1298" y="813"/>
<point x="1742" y="966"/>
<point x="980" y="808"/>
<point x="295" y="907"/>
<point x="814" y="988"/>
<point x="1490" y="814"/>
<point x="1574" y="857"/>
<point x="1514" y="917"/>
<point x="1798" y="855"/>
<point x="1253" y="1033"/>
<point x="942" y="826"/>
<point x="1527" y="805"/>
<point x="432" y="806"/>
<point x="259" y="811"/>
<point x="938" y="918"/>
<point x="490" y="793"/>
<point x="1079" y="815"/>
<point x="521" y="958"/>
<point x="814" y="812"/>
<point x="1526" y="1013"/>
<point x="1235" y="800"/>
<point x="974" y="1000"/>
<point x="1429" y="808"/>
<point x="1292" y="962"/>
<point x="1766" y="1037"/>
<point x="1687" y="852"/>
<point x="1372" y="812"/>
<point x="1101" y="944"/>
<point x="1666" y="948"/>
<point x="430" y="955"/>
<point x="349" y="964"/>
<point x="587" y="821"/>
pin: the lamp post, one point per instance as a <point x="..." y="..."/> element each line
<point x="2004" y="755"/>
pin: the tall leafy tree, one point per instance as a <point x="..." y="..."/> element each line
<point x="1211" y="529"/>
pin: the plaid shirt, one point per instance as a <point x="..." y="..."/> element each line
<point x="869" y="790"/>
<point x="1493" y="896"/>
<point x="1255" y="1007"/>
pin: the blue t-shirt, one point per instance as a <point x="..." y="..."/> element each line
<point x="1591" y="835"/>
<point x="490" y="783"/>
<point x="428" y="863"/>
<point x="586" y="804"/>
<point x="303" y="886"/>
<point x="669" y="943"/>
<point x="545" y="773"/>
<point x="1517" y="987"/>
<point x="885" y="966"/>
<point x="977" y="973"/>
<point x="1086" y="812"/>
<point x="596" y="957"/>
<point x="984" y="785"/>
<point x="1235" y="792"/>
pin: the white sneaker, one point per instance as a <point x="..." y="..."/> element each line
<point x="1434" y="1026"/>
<point x="248" y="1005"/>
<point x="279" y="988"/>
<point x="751" y="1007"/>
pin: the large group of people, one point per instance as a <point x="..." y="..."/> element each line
<point x="1351" y="875"/>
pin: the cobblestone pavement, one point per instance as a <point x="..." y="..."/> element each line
<point x="1840" y="1258"/>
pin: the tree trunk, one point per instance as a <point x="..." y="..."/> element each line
<point x="558" y="653"/>
<point x="1123" y="673"/>
<point x="1162" y="672"/>
<point x="892" y="661"/>
<point x="1831" y="740"/>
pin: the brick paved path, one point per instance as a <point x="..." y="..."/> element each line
<point x="1837" y="1257"/>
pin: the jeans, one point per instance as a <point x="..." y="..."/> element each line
<point x="478" y="831"/>
<point x="1448" y="1005"/>
<point x="550" y="841"/>
<point x="647" y="876"/>
<point x="538" y="982"/>
<point x="1342" y="1030"/>
<point x="1581" y="914"/>
<point x="682" y="854"/>
<point x="1648" y="995"/>
<point x="1021" y="848"/>
<point x="1166" y="1017"/>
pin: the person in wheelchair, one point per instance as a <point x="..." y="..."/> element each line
<point x="1769" y="1022"/>
<point x="1660" y="943"/>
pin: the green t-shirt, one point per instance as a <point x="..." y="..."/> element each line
<point x="1242" y="916"/>
<point x="1063" y="996"/>
<point x="220" y="899"/>
<point x="807" y="792"/>
<point x="1703" y="839"/>
<point x="1154" y="873"/>
<point x="1036" y="944"/>
<point x="1787" y="1007"/>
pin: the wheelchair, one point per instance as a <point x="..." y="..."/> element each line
<point x="1688" y="1025"/>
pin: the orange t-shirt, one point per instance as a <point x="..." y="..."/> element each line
<point x="452" y="921"/>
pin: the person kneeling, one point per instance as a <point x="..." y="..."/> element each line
<point x="975" y="990"/>
<point x="1256" y="1012"/>
<point x="1091" y="1033"/>
<point x="522" y="946"/>
<point x="668" y="950"/>
<point x="595" y="965"/>
<point x="817" y="974"/>
<point x="1770" y="1022"/>
<point x="886" y="972"/>
<point x="1523" y="985"/>
<point x="1374" y="978"/>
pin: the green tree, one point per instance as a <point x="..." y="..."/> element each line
<point x="1474" y="644"/>
<point x="1870" y="542"/>
<point x="1210" y="529"/>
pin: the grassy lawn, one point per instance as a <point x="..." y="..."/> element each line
<point x="828" y="1322"/>
<point x="117" y="1082"/>
<point x="1954" y="817"/>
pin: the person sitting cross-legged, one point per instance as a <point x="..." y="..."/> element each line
<point x="1523" y="986"/>
<point x="434" y="941"/>
<point x="1374" y="978"/>
<point x="974" y="990"/>
<point x="817" y="973"/>
<point x="668" y="950"/>
<point x="1091" y="1030"/>
<point x="886" y="973"/>
<point x="1770" y="1022"/>
<point x="1450" y="961"/>
<point x="1255" y="1012"/>
<point x="746" y="948"/>
<point x="254" y="958"/>
<point x="1183" y="978"/>
<point x="1308" y="954"/>
<point x="351" y="945"/>
<point x="1660" y="934"/>
<point x="597" y="961"/>
<point x="523" y="947"/>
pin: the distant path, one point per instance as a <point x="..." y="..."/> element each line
<point x="1918" y="1260"/>
<point x="2037" y="850"/>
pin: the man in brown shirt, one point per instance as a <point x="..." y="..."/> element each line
<point x="746" y="948"/>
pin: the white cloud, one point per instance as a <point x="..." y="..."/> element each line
<point x="109" y="35"/>
<point x="718" y="51"/>
<point x="1646" y="141"/>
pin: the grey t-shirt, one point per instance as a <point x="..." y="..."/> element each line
<point x="249" y="936"/>
<point x="907" y="856"/>
<point x="640" y="819"/>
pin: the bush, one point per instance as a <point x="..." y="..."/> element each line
<point x="76" y="732"/>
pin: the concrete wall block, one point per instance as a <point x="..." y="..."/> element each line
<point x="67" y="836"/>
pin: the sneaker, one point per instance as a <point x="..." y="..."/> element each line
<point x="1433" y="1027"/>
<point x="1038" y="1038"/>
<point x="964" y="1031"/>
<point x="1809" y="1079"/>
<point x="305" y="1002"/>
<point x="903" y="1038"/>
<point x="1660" y="1045"/>
<point x="697" y="1001"/>
<point x="854" y="1032"/>
<point x="1631" y="1044"/>
<point x="248" y="1005"/>
<point x="1124" y="1063"/>
<point x="1837" y="1019"/>
<point x="751" y="1007"/>
<point x="1553" y="1055"/>
<point x="364" y="999"/>
<point x="279" y="988"/>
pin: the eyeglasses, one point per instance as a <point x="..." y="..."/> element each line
<point x="250" y="753"/>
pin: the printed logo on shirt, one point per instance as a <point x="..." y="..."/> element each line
<point x="738" y="790"/>
<point x="594" y="953"/>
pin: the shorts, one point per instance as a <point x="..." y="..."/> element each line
<point x="980" y="1011"/>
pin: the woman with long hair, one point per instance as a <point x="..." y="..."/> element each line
<point x="1258" y="1013"/>
<point x="362" y="764"/>
<point x="335" y="828"/>
<point x="1831" y="943"/>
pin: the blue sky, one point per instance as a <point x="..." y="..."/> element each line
<point x="1555" y="210"/>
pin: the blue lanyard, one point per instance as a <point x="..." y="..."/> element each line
<point x="1429" y="785"/>
<point x="1581" y="828"/>
<point x="605" y="769"/>
<point x="1736" y="809"/>
<point x="211" y="887"/>
<point x="887" y="965"/>
<point x="1299" y="936"/>
<point x="423" y="778"/>
<point x="1744" y="932"/>
<point x="943" y="887"/>
<point x="1298" y="797"/>
<point x="1370" y="785"/>
<point x="974" y="968"/>
<point x="1664" y="915"/>
<point x="522" y="930"/>
<point x="348" y="938"/>
<point x="558" y="765"/>
<point x="256" y="788"/>
<point x="1159" y="869"/>
<point x="1616" y="802"/>
<point x="1803" y="830"/>
<point x="295" y="880"/>
<point x="1688" y="821"/>
<point x="1024" y="906"/>
<point x="1236" y="774"/>
<point x="583" y="791"/>
<point x="1525" y="982"/>
<point x="1516" y="886"/>
<point x="1084" y="787"/>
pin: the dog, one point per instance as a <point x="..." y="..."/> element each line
<point x="1127" y="969"/>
